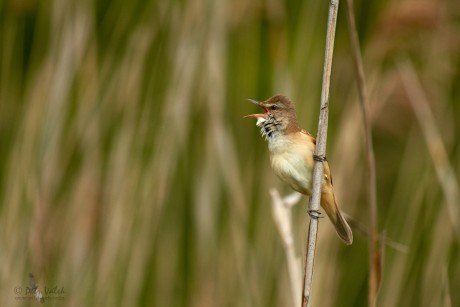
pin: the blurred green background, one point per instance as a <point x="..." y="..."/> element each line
<point x="129" y="178"/>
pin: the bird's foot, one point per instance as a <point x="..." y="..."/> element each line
<point x="314" y="214"/>
<point x="319" y="158"/>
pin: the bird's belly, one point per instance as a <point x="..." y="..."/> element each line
<point x="292" y="169"/>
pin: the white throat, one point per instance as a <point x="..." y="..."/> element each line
<point x="270" y="129"/>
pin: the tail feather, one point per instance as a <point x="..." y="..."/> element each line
<point x="330" y="206"/>
<point x="342" y="229"/>
<point x="332" y="210"/>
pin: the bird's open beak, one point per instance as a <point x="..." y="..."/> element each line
<point x="264" y="115"/>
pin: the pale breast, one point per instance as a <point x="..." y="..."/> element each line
<point x="292" y="160"/>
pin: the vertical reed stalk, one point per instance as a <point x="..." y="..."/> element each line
<point x="375" y="262"/>
<point x="320" y="154"/>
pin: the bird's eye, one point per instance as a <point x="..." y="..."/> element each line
<point x="274" y="107"/>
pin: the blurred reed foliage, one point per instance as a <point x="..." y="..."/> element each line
<point x="128" y="176"/>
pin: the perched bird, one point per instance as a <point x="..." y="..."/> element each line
<point x="291" y="156"/>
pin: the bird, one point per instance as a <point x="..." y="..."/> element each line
<point x="292" y="156"/>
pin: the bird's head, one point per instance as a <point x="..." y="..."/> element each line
<point x="279" y="109"/>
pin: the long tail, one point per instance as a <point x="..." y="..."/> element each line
<point x="339" y="222"/>
<point x="330" y="206"/>
<point x="343" y="230"/>
<point x="332" y="210"/>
